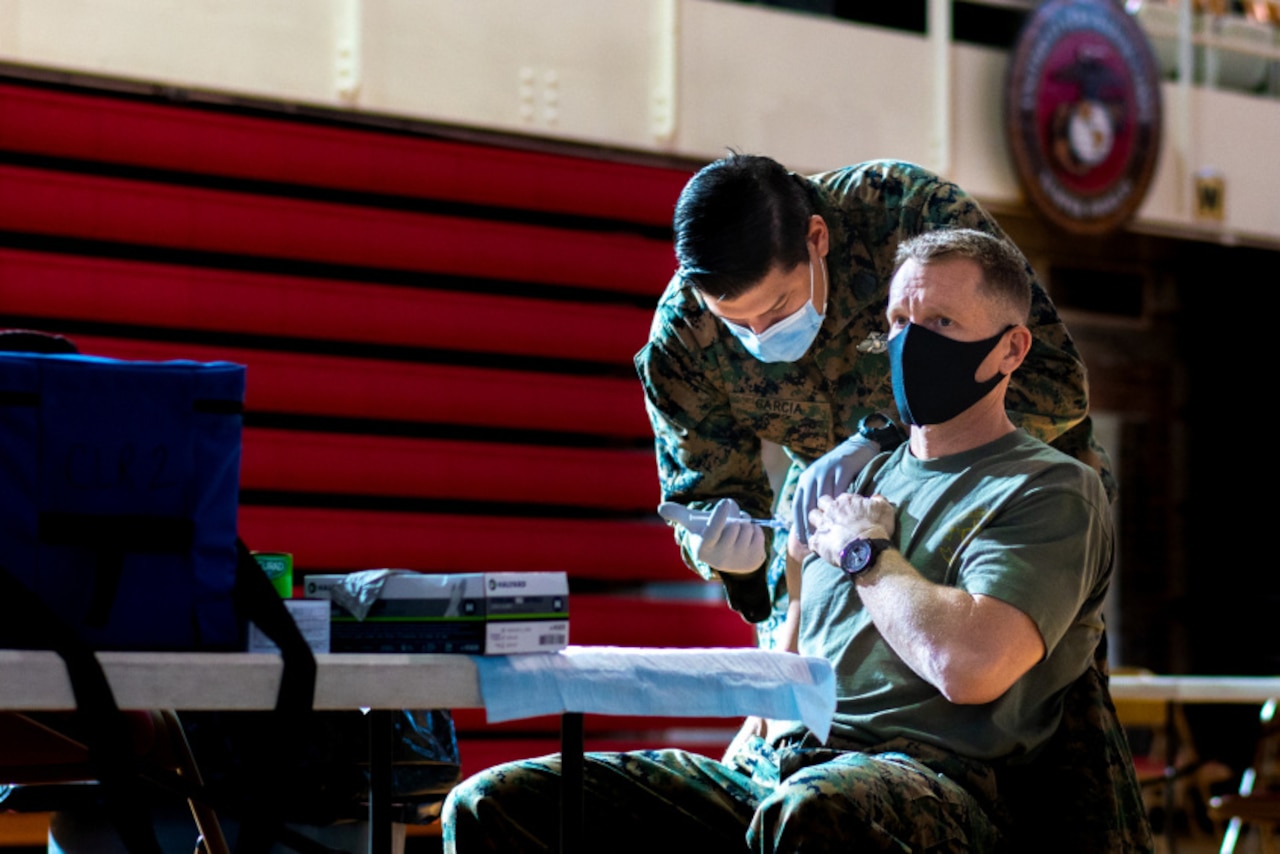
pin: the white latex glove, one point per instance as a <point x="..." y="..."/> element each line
<point x="846" y="517"/>
<point x="726" y="539"/>
<point x="830" y="474"/>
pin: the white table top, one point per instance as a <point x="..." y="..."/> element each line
<point x="1196" y="689"/>
<point x="665" y="682"/>
<point x="36" y="680"/>
<point x="233" y="681"/>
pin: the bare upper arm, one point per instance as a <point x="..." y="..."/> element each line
<point x="1011" y="642"/>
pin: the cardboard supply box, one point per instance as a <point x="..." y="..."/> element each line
<point x="475" y="613"/>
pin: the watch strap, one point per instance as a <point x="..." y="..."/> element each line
<point x="881" y="429"/>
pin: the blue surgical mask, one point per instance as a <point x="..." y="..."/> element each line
<point x="789" y="338"/>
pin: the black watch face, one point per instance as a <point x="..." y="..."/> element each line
<point x="856" y="556"/>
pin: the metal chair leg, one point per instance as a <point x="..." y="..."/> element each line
<point x="211" y="840"/>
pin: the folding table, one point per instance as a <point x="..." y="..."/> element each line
<point x="37" y="681"/>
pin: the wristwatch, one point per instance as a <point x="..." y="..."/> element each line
<point x="880" y="429"/>
<point x="859" y="554"/>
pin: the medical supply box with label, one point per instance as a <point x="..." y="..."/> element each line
<point x="475" y="613"/>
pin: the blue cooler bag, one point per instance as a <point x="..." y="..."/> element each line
<point x="119" y="484"/>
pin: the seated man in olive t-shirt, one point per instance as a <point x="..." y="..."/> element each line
<point x="957" y="592"/>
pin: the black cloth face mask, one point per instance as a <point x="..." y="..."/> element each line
<point x="933" y="374"/>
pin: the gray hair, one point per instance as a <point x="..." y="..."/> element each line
<point x="1005" y="274"/>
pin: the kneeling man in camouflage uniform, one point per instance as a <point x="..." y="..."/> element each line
<point x="957" y="590"/>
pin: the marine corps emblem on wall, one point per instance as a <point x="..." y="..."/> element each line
<point x="1082" y="113"/>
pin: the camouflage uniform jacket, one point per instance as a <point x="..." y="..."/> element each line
<point x="711" y="403"/>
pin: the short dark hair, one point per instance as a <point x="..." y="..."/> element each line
<point x="1004" y="271"/>
<point x="736" y="220"/>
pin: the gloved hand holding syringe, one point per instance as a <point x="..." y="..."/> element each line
<point x="724" y="537"/>
<point x="695" y="521"/>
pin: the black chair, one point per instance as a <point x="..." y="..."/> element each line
<point x="1257" y="803"/>
<point x="1081" y="792"/>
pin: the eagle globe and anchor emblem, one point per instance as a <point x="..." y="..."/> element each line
<point x="1083" y="113"/>
<point x="1083" y="131"/>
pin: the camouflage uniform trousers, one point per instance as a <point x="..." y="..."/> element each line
<point x="900" y="796"/>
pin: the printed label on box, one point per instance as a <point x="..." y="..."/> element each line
<point x="311" y="616"/>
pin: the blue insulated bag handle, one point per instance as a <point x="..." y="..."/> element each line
<point x="28" y="623"/>
<point x="257" y="600"/>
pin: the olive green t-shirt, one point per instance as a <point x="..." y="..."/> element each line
<point x="1014" y="519"/>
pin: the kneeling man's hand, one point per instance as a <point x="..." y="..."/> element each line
<point x="846" y="517"/>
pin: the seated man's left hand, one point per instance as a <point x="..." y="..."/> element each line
<point x="846" y="517"/>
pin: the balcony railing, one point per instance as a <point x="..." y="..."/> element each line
<point x="1216" y="44"/>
